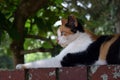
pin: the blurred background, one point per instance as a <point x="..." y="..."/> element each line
<point x="28" y="27"/>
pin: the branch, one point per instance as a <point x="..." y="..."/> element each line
<point x="36" y="37"/>
<point x="35" y="50"/>
<point x="41" y="38"/>
<point x="29" y="7"/>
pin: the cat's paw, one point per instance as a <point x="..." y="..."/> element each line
<point x="20" y="66"/>
<point x="100" y="62"/>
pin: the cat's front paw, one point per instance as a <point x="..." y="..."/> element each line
<point x="20" y="66"/>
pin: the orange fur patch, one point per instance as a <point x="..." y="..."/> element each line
<point x="66" y="30"/>
<point x="105" y="47"/>
<point x="93" y="36"/>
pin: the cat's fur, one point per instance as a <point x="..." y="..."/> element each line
<point x="80" y="47"/>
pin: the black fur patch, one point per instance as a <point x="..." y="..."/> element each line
<point x="113" y="56"/>
<point x="73" y="28"/>
<point x="86" y="57"/>
<point x="80" y="27"/>
<point x="72" y="22"/>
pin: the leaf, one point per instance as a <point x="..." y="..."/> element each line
<point x="58" y="1"/>
<point x="47" y="45"/>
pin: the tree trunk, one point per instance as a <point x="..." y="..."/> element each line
<point x="117" y="26"/>
<point x="117" y="23"/>
<point x="17" y="44"/>
<point x="22" y="13"/>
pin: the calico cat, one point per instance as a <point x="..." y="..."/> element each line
<point x="103" y="50"/>
<point x="81" y="47"/>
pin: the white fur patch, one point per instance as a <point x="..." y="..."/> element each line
<point x="80" y="44"/>
<point x="100" y="62"/>
<point x="46" y="63"/>
<point x="77" y="42"/>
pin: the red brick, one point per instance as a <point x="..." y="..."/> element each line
<point x="12" y="75"/>
<point x="42" y="74"/>
<point x="73" y="73"/>
<point x="109" y="72"/>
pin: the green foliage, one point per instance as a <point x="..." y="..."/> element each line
<point x="47" y="45"/>
<point x="5" y="53"/>
<point x="36" y="56"/>
<point x="102" y="14"/>
<point x="31" y="44"/>
<point x="6" y="62"/>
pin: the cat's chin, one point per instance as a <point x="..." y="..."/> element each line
<point x="63" y="45"/>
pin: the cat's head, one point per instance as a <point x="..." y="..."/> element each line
<point x="69" y="30"/>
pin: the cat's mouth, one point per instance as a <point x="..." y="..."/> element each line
<point x="61" y="43"/>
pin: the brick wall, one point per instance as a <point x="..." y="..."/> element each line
<point x="110" y="72"/>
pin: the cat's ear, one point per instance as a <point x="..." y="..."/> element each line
<point x="72" y="20"/>
<point x="64" y="21"/>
